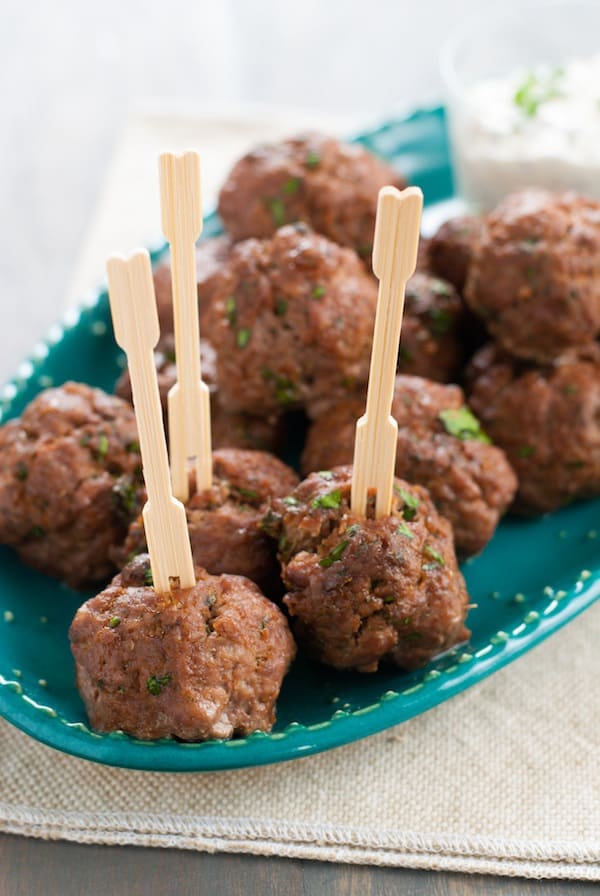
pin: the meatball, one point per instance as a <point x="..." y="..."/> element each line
<point x="535" y="278"/>
<point x="450" y="251"/>
<point x="292" y="324"/>
<point x="229" y="430"/>
<point x="440" y="446"/>
<point x="210" y="256"/>
<point x="312" y="178"/>
<point x="199" y="663"/>
<point x="225" y="521"/>
<point x="547" y="420"/>
<point x="70" y="481"/>
<point x="430" y="343"/>
<point x="364" y="591"/>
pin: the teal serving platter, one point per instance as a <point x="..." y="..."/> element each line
<point x="533" y="577"/>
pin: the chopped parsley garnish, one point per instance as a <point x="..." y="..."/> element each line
<point x="281" y="307"/>
<point x="231" y="311"/>
<point x="331" y="500"/>
<point x="22" y="472"/>
<point x="291" y="186"/>
<point x="312" y="159"/>
<point x="37" y="532"/>
<point x="537" y="89"/>
<point x="285" y="388"/>
<point x="126" y="496"/>
<point x="325" y="474"/>
<point x="335" y="554"/>
<point x="363" y="251"/>
<point x="570" y="389"/>
<point x="526" y="451"/>
<point x="435" y="555"/>
<point x="353" y="529"/>
<point x="114" y="621"/>
<point x="156" y="683"/>
<point x="389" y="599"/>
<point x="290" y="501"/>
<point x="462" y="423"/>
<point x="243" y="337"/>
<point x="440" y="287"/>
<point x="404" y="530"/>
<point x="441" y="319"/>
<point x="148" y="580"/>
<point x="84" y="441"/>
<point x="405" y="354"/>
<point x="249" y="493"/>
<point x="132" y="447"/>
<point x="102" y="446"/>
<point x="277" y="209"/>
<point x="318" y="292"/>
<point x="411" y="503"/>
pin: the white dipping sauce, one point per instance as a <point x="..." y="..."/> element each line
<point x="536" y="128"/>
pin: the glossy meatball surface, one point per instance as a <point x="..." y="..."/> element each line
<point x="202" y="662"/>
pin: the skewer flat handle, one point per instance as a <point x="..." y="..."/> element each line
<point x="135" y="321"/>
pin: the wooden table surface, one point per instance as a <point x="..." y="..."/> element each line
<point x="67" y="869"/>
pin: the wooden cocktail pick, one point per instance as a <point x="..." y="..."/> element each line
<point x="189" y="403"/>
<point x="394" y="260"/>
<point x="135" y="321"/>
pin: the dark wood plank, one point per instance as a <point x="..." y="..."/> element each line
<point x="67" y="869"/>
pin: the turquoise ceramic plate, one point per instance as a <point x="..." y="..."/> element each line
<point x="532" y="579"/>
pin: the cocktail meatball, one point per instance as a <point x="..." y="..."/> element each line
<point x="430" y="343"/>
<point x="225" y="522"/>
<point x="365" y="591"/>
<point x="329" y="185"/>
<point x="440" y="446"/>
<point x="292" y="324"/>
<point x="535" y="278"/>
<point x="210" y="256"/>
<point x="202" y="662"/>
<point x="547" y="420"/>
<point x="70" y="482"/>
<point x="229" y="430"/>
<point x="450" y="251"/>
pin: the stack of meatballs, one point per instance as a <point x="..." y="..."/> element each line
<point x="504" y="308"/>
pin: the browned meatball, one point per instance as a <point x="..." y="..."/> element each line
<point x="229" y="430"/>
<point x="450" y="251"/>
<point x="312" y="178"/>
<point x="430" y="344"/>
<point x="292" y="325"/>
<point x="535" y="278"/>
<point x="440" y="446"/>
<point x="547" y="420"/>
<point x="69" y="482"/>
<point x="210" y="256"/>
<point x="202" y="662"/>
<point x="364" y="591"/>
<point x="225" y="522"/>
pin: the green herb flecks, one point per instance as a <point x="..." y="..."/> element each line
<point x="404" y="530"/>
<point x="290" y="501"/>
<point x="291" y="186"/>
<point x="352" y="530"/>
<point x="325" y="474"/>
<point x="312" y="159"/>
<point x="156" y="683"/>
<point x="318" y="292"/>
<point x="405" y="354"/>
<point x="281" y="307"/>
<point x="411" y="503"/>
<point x="538" y="88"/>
<point x="334" y="555"/>
<point x="277" y="210"/>
<point x="148" y="580"/>
<point x="126" y="497"/>
<point x="441" y="320"/>
<point x="526" y="451"/>
<point x="21" y="472"/>
<point x="389" y="599"/>
<point x="329" y="501"/>
<point x="435" y="555"/>
<point x="440" y="287"/>
<point x="249" y="493"/>
<point x="243" y="337"/>
<point x="37" y="532"/>
<point x="132" y="447"/>
<point x="114" y="621"/>
<point x="231" y="311"/>
<point x="102" y="446"/>
<point x="285" y="388"/>
<point x="365" y="251"/>
<point x="462" y="423"/>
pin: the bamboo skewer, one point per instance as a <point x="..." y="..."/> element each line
<point x="188" y="400"/>
<point x="394" y="261"/>
<point x="135" y="321"/>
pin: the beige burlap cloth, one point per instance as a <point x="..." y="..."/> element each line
<point x="503" y="779"/>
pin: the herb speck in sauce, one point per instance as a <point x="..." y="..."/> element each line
<point x="231" y="311"/>
<point x="334" y="555"/>
<point x="462" y="423"/>
<point x="411" y="503"/>
<point x="329" y="501"/>
<point x="156" y="683"/>
<point x="114" y="621"/>
<point x="243" y="337"/>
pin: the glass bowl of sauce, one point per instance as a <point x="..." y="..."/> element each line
<point x="523" y="100"/>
